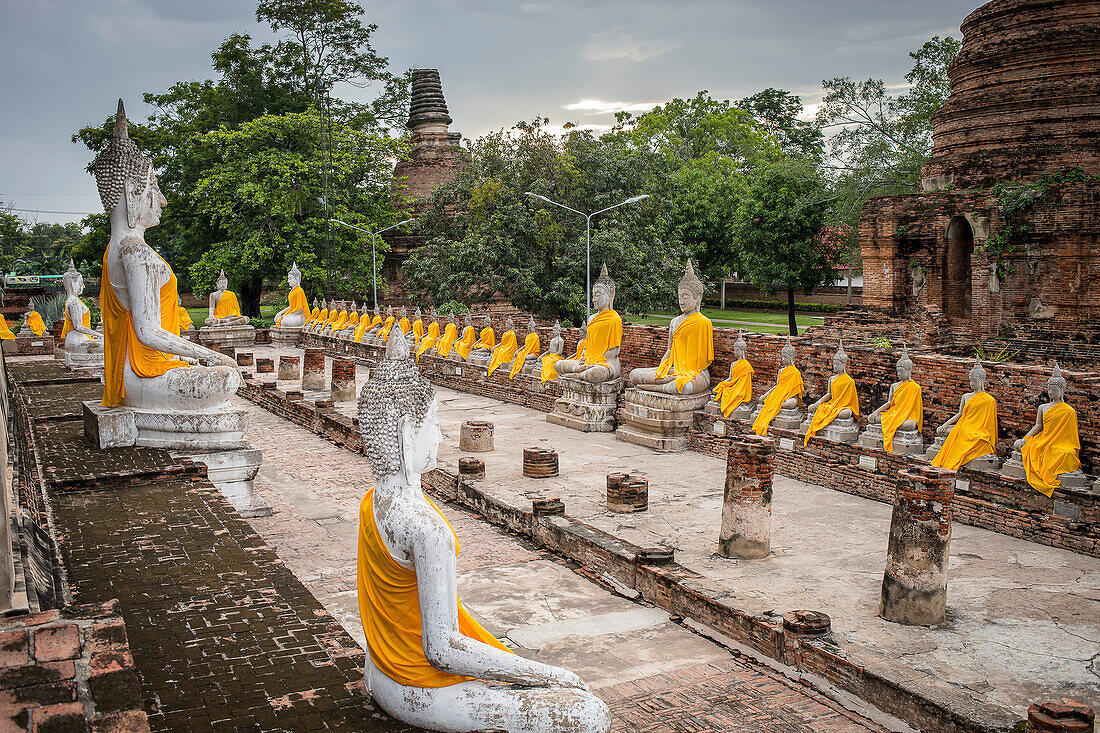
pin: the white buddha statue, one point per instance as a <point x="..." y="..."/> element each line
<point x="79" y="338"/>
<point x="835" y="415"/>
<point x="896" y="426"/>
<point x="297" y="311"/>
<point x="225" y="310"/>
<point x="429" y="663"/>
<point x="604" y="337"/>
<point x="143" y="353"/>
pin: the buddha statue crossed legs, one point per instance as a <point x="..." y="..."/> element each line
<point x="970" y="435"/>
<point x="429" y="663"/>
<point x="225" y="310"/>
<point x="896" y="426"/>
<point x="1049" y="455"/>
<point x="600" y="360"/>
<point x="79" y="338"/>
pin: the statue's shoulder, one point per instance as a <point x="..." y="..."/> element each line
<point x="132" y="245"/>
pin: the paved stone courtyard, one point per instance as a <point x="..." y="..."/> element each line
<point x="1023" y="618"/>
<point x="655" y="674"/>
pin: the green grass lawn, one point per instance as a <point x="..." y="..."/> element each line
<point x="198" y="315"/>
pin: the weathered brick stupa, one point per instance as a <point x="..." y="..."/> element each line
<point x="968" y="260"/>
<point x="434" y="156"/>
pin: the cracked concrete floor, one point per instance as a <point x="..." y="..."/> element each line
<point x="1023" y="619"/>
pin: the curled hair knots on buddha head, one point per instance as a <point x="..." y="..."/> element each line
<point x="395" y="392"/>
<point x="71" y="276"/>
<point x="119" y="163"/>
<point x="1056" y="379"/>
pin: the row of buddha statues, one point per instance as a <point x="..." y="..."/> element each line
<point x="1048" y="455"/>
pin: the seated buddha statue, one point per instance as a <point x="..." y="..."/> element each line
<point x="387" y="326"/>
<point x="363" y="324"/>
<point x="403" y="320"/>
<point x="528" y="355"/>
<point x="578" y="354"/>
<point x="316" y="311"/>
<point x="224" y="308"/>
<point x="431" y="336"/>
<point x="79" y="338"/>
<point x="417" y="326"/>
<point x="1051" y="450"/>
<point x="33" y="325"/>
<point x="482" y="349"/>
<point x="144" y="355"/>
<point x="340" y="321"/>
<point x="971" y="433"/>
<point x="735" y="393"/>
<point x="505" y="351"/>
<point x="445" y="345"/>
<point x="685" y="368"/>
<point x="837" y="411"/>
<point x="351" y="324"/>
<point x="186" y="324"/>
<point x="297" y="310"/>
<point x="553" y="354"/>
<point x="429" y="663"/>
<point x="5" y="329"/>
<point x="784" y="397"/>
<point x="465" y="345"/>
<point x="603" y="337"/>
<point x="322" y="318"/>
<point x="897" y="424"/>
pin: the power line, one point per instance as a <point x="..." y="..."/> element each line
<point x="46" y="211"/>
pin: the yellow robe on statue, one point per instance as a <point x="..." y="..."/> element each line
<point x="403" y="324"/>
<point x="389" y="609"/>
<point x="68" y="325"/>
<point x="341" y="321"/>
<point x="580" y="349"/>
<point x="429" y="339"/>
<point x="387" y="326"/>
<point x="504" y="352"/>
<point x="364" y="324"/>
<point x="692" y="350"/>
<point x="487" y="339"/>
<point x="418" y="329"/>
<point x="313" y="316"/>
<point x="1055" y="449"/>
<point x="906" y="404"/>
<point x="605" y="332"/>
<point x="5" y="330"/>
<point x="298" y="302"/>
<point x="120" y="341"/>
<point x="530" y="346"/>
<point x="447" y="340"/>
<point x="186" y="324"/>
<point x="227" y="305"/>
<point x="973" y="436"/>
<point x="842" y="396"/>
<point x="549" y="367"/>
<point x="466" y="345"/>
<point x="787" y="386"/>
<point x="322" y="319"/>
<point x="36" y="324"/>
<point x="737" y="390"/>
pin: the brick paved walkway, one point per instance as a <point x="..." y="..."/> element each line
<point x="656" y="675"/>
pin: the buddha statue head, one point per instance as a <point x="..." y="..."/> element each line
<point x="418" y="315"/>
<point x="397" y="416"/>
<point x="125" y="179"/>
<point x="740" y="346"/>
<point x="73" y="281"/>
<point x="840" y="358"/>
<point x="404" y="312"/>
<point x="389" y="311"/>
<point x="365" y="310"/>
<point x="977" y="377"/>
<point x="603" y="292"/>
<point x="222" y="282"/>
<point x="690" y="291"/>
<point x="786" y="354"/>
<point x="315" y="303"/>
<point x="530" y="324"/>
<point x="1056" y="385"/>
<point x="488" y="320"/>
<point x="294" y="277"/>
<point x="508" y="324"/>
<point x="377" y="312"/>
<point x="468" y="321"/>
<point x="324" y="305"/>
<point x="557" y="329"/>
<point x="905" y="365"/>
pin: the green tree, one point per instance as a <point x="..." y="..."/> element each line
<point x="13" y="244"/>
<point x="261" y="188"/>
<point x="779" y="225"/>
<point x="779" y="112"/>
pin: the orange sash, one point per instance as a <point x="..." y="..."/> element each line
<point x="692" y="350"/>
<point x="973" y="436"/>
<point x="788" y="385"/>
<point x="605" y="332"/>
<point x="737" y="390"/>
<point x="298" y="302"/>
<point x="905" y="404"/>
<point x="842" y="396"/>
<point x="503" y="353"/>
<point x="530" y="346"/>
<point x="1054" y="450"/>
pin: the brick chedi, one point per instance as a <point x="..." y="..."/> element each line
<point x="434" y="157"/>
<point x="1025" y="102"/>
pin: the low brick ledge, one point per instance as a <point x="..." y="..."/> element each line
<point x="920" y="700"/>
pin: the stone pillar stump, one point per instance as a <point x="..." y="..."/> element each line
<point x="540" y="462"/>
<point x="476" y="436"/>
<point x="290" y="367"/>
<point x="471" y="468"/>
<point x="747" y="498"/>
<point x="627" y="493"/>
<point x="343" y="379"/>
<point x="914" y="587"/>
<point x="313" y="369"/>
<point x="1060" y="716"/>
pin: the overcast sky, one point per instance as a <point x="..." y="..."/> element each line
<point x="63" y="63"/>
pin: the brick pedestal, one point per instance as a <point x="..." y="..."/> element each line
<point x="540" y="462"/>
<point x="343" y="379"/>
<point x="471" y="468"/>
<point x="265" y="366"/>
<point x="551" y="507"/>
<point x="1060" y="716"/>
<point x="476" y="436"/>
<point x="747" y="498"/>
<point x="807" y="623"/>
<point x="627" y="493"/>
<point x="313" y="369"/>
<point x="244" y="358"/>
<point x="914" y="587"/>
<point x="290" y="367"/>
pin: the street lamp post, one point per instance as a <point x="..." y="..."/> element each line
<point x="373" y="261"/>
<point x="588" y="240"/>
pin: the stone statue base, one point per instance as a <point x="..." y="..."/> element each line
<point x="225" y="336"/>
<point x="93" y="360"/>
<point x="10" y="346"/>
<point x="480" y="359"/>
<point x="657" y="420"/>
<point x="1014" y="467"/>
<point x="285" y="336"/>
<point x="741" y="413"/>
<point x="838" y="431"/>
<point x="981" y="463"/>
<point x="906" y="442"/>
<point x="788" y="418"/>
<point x="220" y="428"/>
<point x="586" y="406"/>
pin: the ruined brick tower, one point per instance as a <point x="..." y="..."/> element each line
<point x="966" y="263"/>
<point x="434" y="156"/>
